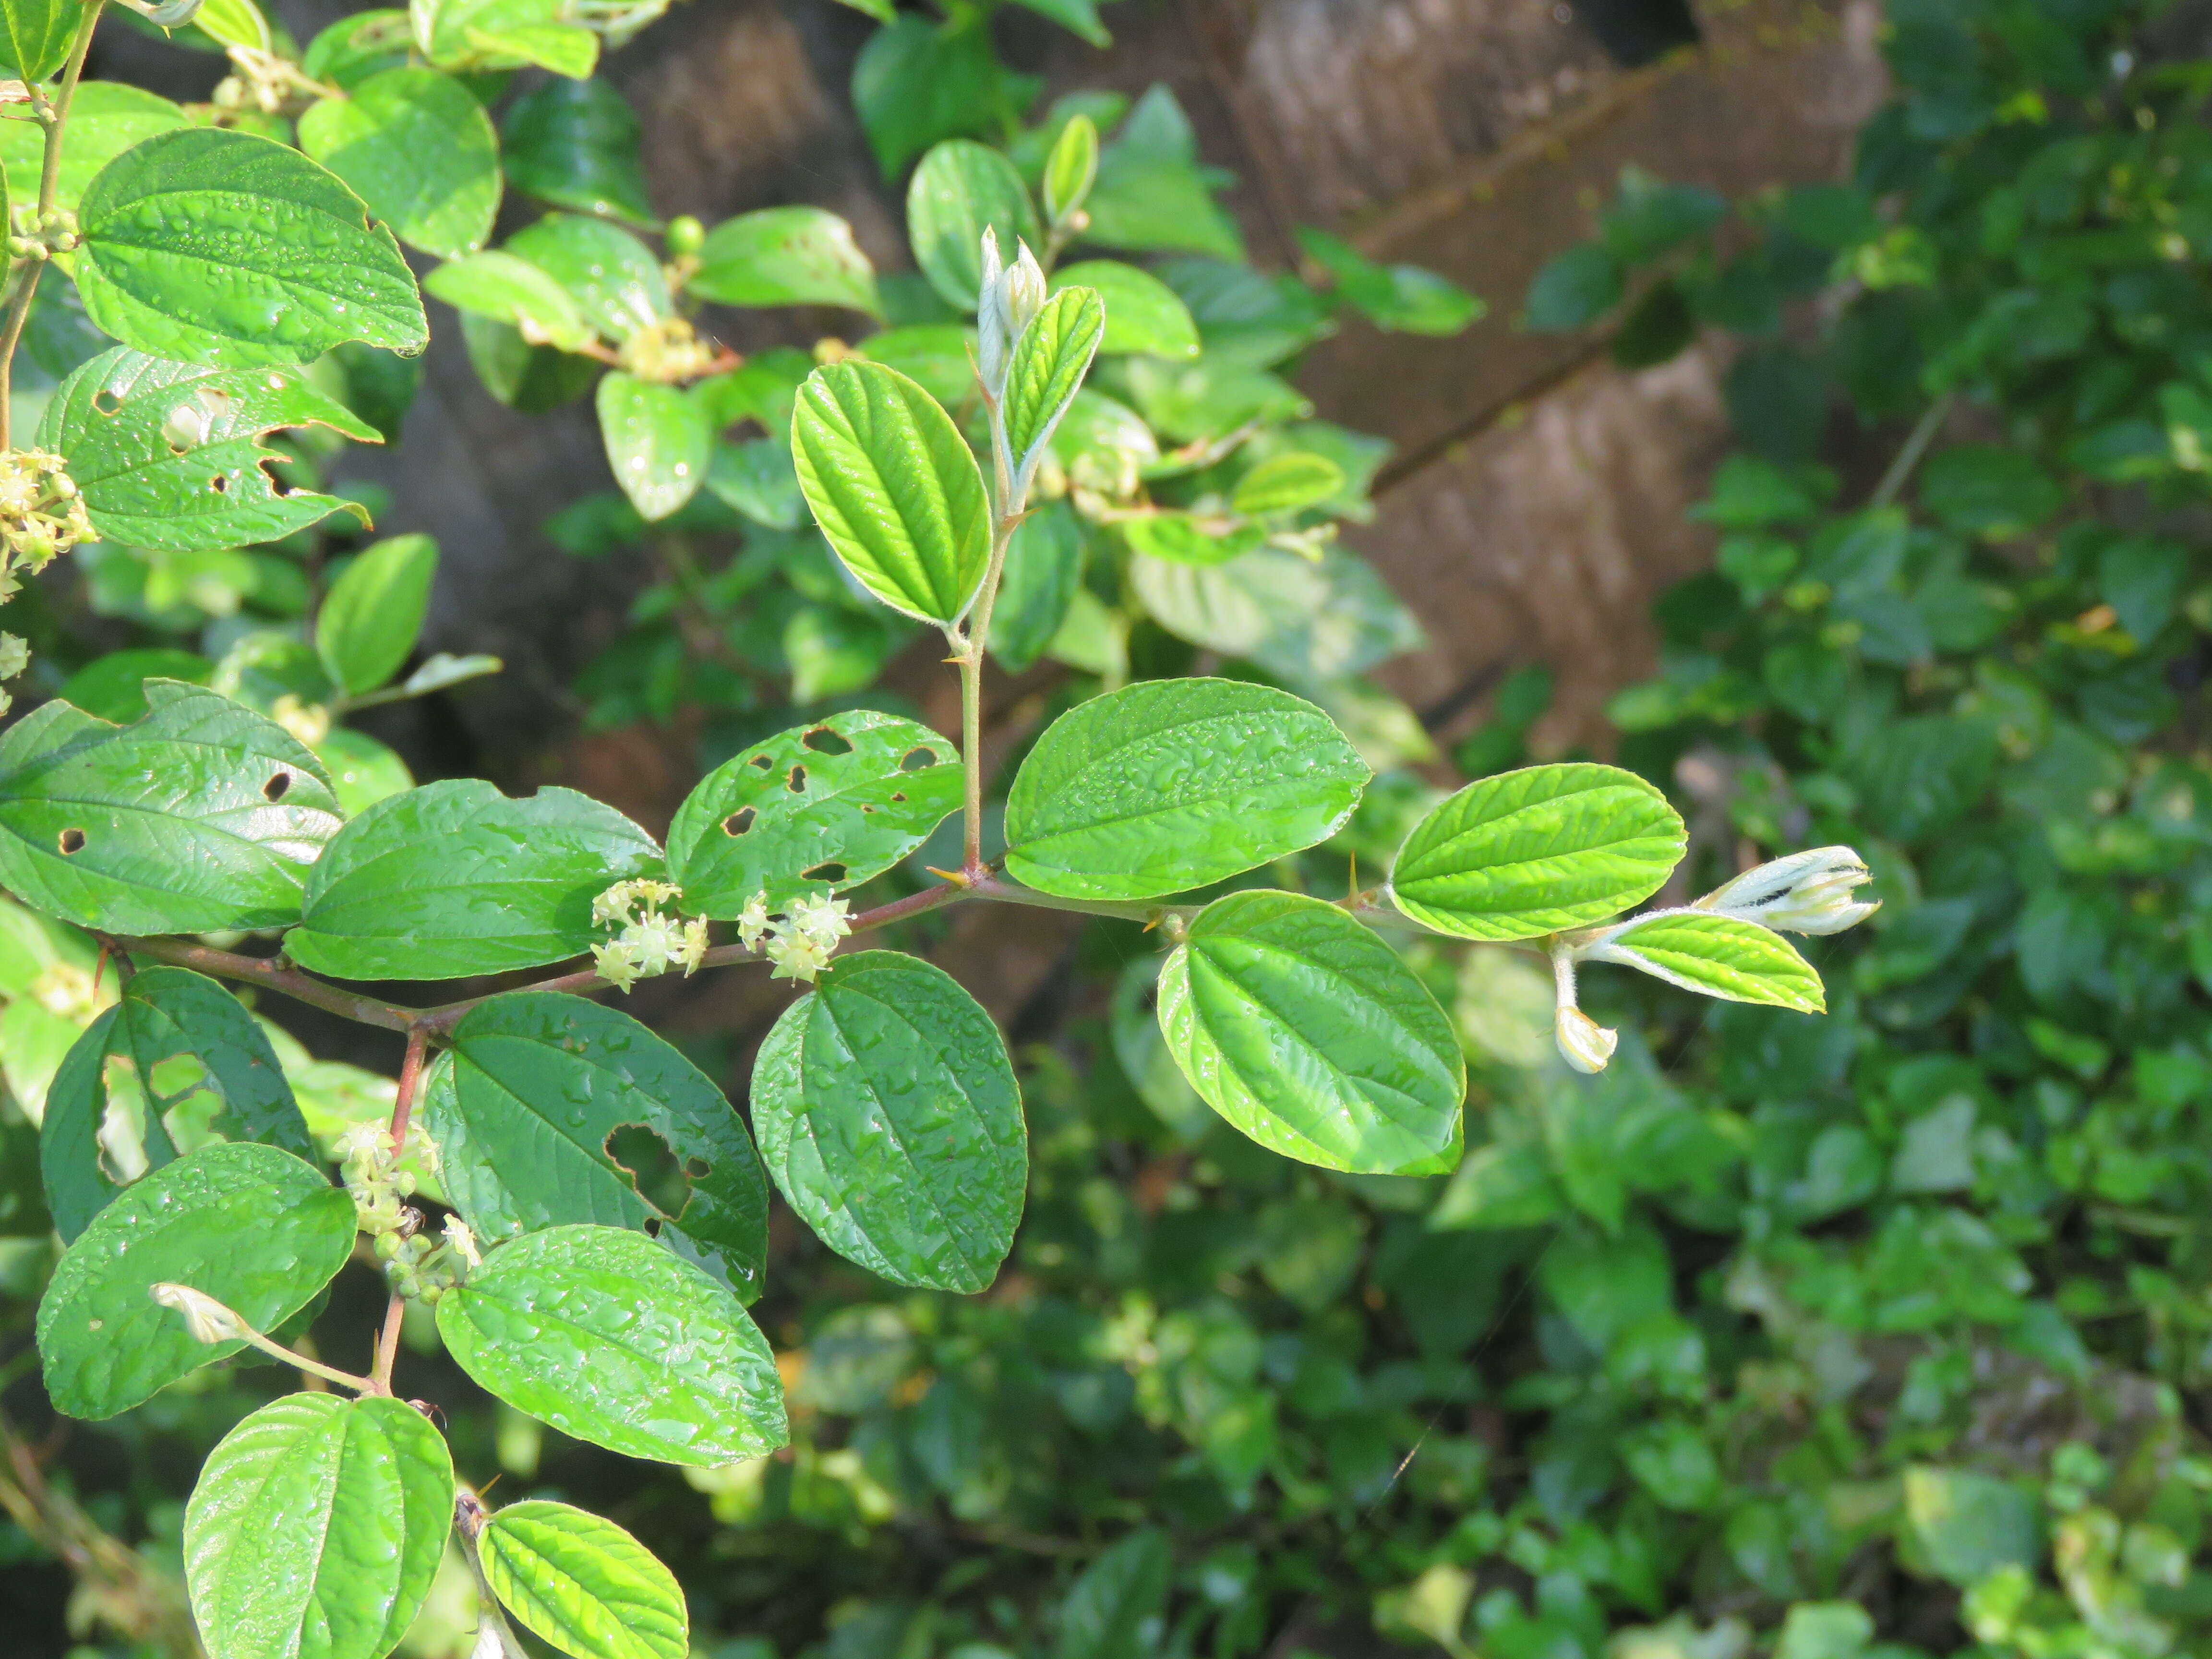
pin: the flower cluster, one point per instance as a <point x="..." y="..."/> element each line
<point x="670" y="352"/>
<point x="414" y="1266"/>
<point x="652" y="940"/>
<point x="41" y="515"/>
<point x="800" y="942"/>
<point x="422" y="1271"/>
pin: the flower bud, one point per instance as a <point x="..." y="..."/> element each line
<point x="1583" y="1043"/>
<point x="1807" y="892"/>
<point x="207" y="1319"/>
<point x="1009" y="297"/>
<point x="685" y="236"/>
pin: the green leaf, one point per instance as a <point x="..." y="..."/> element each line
<point x="1151" y="192"/>
<point x="1403" y="298"/>
<point x="35" y="35"/>
<point x="1044" y="563"/>
<point x="961" y="188"/>
<point x="1047" y="365"/>
<point x="212" y="246"/>
<point x="1287" y="483"/>
<point x="350" y="51"/>
<point x="583" y="1584"/>
<point x="113" y="686"/>
<point x="881" y="10"/>
<point x="235" y="23"/>
<point x="168" y="456"/>
<point x="940" y="357"/>
<point x="199" y="817"/>
<point x="568" y="48"/>
<point x="526" y="1114"/>
<point x="1168" y="785"/>
<point x="1143" y="313"/>
<point x="893" y="487"/>
<point x="1967" y="1525"/>
<point x="498" y="285"/>
<point x="786" y="256"/>
<point x="1115" y="1609"/>
<point x="1077" y="16"/>
<point x="1719" y="957"/>
<point x="1535" y="851"/>
<point x="362" y="770"/>
<point x="108" y="1345"/>
<point x="374" y="611"/>
<point x="454" y="878"/>
<point x="918" y="81"/>
<point x="612" y="277"/>
<point x="1297" y="617"/>
<point x="199" y="1065"/>
<point x="1071" y="169"/>
<point x="1574" y="289"/>
<point x="828" y="805"/>
<point x="756" y="477"/>
<point x="106" y="118"/>
<point x="317" y="1525"/>
<point x="608" y="1337"/>
<point x="889" y="1116"/>
<point x="1310" y="1035"/>
<point x="575" y="143"/>
<point x="418" y="147"/>
<point x="657" y="442"/>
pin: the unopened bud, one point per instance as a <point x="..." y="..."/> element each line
<point x="685" y="236"/>
<point x="1807" y="892"/>
<point x="207" y="1319"/>
<point x="1583" y="1043"/>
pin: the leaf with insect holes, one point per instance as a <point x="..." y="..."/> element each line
<point x="583" y="1584"/>
<point x="1047" y="365"/>
<point x="786" y="256"/>
<point x="530" y="1112"/>
<point x="200" y="817"/>
<point x="828" y="805"/>
<point x="1717" y="957"/>
<point x="418" y="148"/>
<point x="169" y="457"/>
<point x="198" y="1064"/>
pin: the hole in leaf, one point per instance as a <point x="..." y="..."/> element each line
<point x="653" y="1226"/>
<point x="917" y="760"/>
<point x="898" y="794"/>
<point x="867" y="807"/>
<point x="763" y="763"/>
<point x="829" y="870"/>
<point x="72" y="841"/>
<point x="275" y="788"/>
<point x="797" y="781"/>
<point x="219" y="485"/>
<point x="652" y="1165"/>
<point x="106" y="401"/>
<point x="696" y="1167"/>
<point x="739" y="821"/>
<point x="121" y="1137"/>
<point x="823" y="741"/>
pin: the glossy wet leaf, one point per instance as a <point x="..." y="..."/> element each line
<point x="213" y="246"/>
<point x="1143" y="313"/>
<point x="169" y="455"/>
<point x="583" y="1584"/>
<point x="786" y="256"/>
<point x="961" y="188"/>
<point x="498" y="285"/>
<point x="526" y="1112"/>
<point x="222" y="1078"/>
<point x="893" y="487"/>
<point x="1307" y="1032"/>
<point x="1168" y="785"/>
<point x="106" y="118"/>
<point x="575" y="143"/>
<point x="613" y="277"/>
<point x="890" y="1119"/>
<point x="658" y="441"/>
<point x="610" y="1338"/>
<point x="418" y="147"/>
<point x="370" y="618"/>
<point x="108" y="1345"/>
<point x="202" y="816"/>
<point x="1719" y="956"/>
<point x="824" y="806"/>
<point x="1047" y="365"/>
<point x="35" y="35"/>
<point x="1534" y="851"/>
<point x="455" y="878"/>
<point x="317" y="1526"/>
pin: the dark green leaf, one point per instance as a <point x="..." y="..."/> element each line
<point x="1079" y="16"/>
<point x="1403" y="298"/>
<point x="757" y="478"/>
<point x="418" y="147"/>
<point x="372" y="612"/>
<point x="918" y="81"/>
<point x="613" y="277"/>
<point x="961" y="189"/>
<point x="658" y="441"/>
<point x="1117" y="1608"/>
<point x="583" y="1584"/>
<point x="786" y="256"/>
<point x="1574" y="289"/>
<point x="575" y="143"/>
<point x="113" y="686"/>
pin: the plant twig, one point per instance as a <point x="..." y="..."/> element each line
<point x="1916" y="446"/>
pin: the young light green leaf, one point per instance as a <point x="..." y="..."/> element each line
<point x="961" y="188"/>
<point x="1287" y="483"/>
<point x="612" y="277"/>
<point x="1717" y="957"/>
<point x="200" y="817"/>
<point x="786" y="256"/>
<point x="1044" y="563"/>
<point x="1312" y="1036"/>
<point x="498" y="285"/>
<point x="890" y="1119"/>
<point x="235" y="24"/>
<point x="825" y="807"/>
<point x="527" y="1116"/>
<point x="608" y="1337"/>
<point x="454" y="878"/>
<point x="168" y="456"/>
<point x="198" y="1063"/>
<point x="657" y="442"/>
<point x="879" y="9"/>
<point x="418" y="148"/>
<point x="583" y="1584"/>
<point x="1403" y="298"/>
<point x="573" y="143"/>
<point x="442" y="668"/>
<point x="1188" y="538"/>
<point x="893" y="487"/>
<point x="1143" y="313"/>
<point x="373" y="611"/>
<point x="362" y="770"/>
<point x="1168" y="785"/>
<point x="35" y="35"/>
<point x="1071" y="168"/>
<point x="214" y="246"/>
<point x="1047" y="364"/>
<point x="317" y="1526"/>
<point x="108" y="1345"/>
<point x="1535" y="851"/>
<point x="106" y="118"/>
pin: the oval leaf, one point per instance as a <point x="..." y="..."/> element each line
<point x="1047" y="364"/>
<point x="612" y="277"/>
<point x="1167" y="784"/>
<point x="1143" y="313"/>
<point x="583" y="1584"/>
<point x="786" y="256"/>
<point x="606" y="1336"/>
<point x="961" y="188"/>
<point x="418" y="148"/>
<point x="1535" y="851"/>
<point x="657" y="439"/>
<point x="1309" y="1034"/>
<point x="573" y="143"/>
<point x="108" y="1345"/>
<point x="317" y="1526"/>
<point x="1719" y="956"/>
<point x="889" y="1116"/>
<point x="1287" y="482"/>
<point x="370" y="618"/>
<point x="498" y="285"/>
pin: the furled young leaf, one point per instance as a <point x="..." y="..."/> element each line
<point x="893" y="487"/>
<point x="527" y="1114"/>
<point x="1047" y="365"/>
<point x="612" y="277"/>
<point x="106" y="118"/>
<point x="214" y="246"/>
<point x="317" y="1526"/>
<point x="454" y="878"/>
<point x="108" y="1345"/>
<point x="496" y="284"/>
<point x="786" y="256"/>
<point x="418" y="147"/>
<point x="1143" y="313"/>
<point x="1312" y="1035"/>
<point x="203" y="816"/>
<point x="194" y="1051"/>
<point x="1167" y="784"/>
<point x="1071" y="169"/>
<point x="824" y="806"/>
<point x="583" y="1584"/>
<point x="1287" y="482"/>
<point x="890" y="1119"/>
<point x="1719" y="956"/>
<point x="168" y="456"/>
<point x="1532" y="852"/>
<point x="35" y="35"/>
<point x="610" y="1338"/>
<point x="657" y="442"/>
<point x="373" y="611"/>
<point x="961" y="188"/>
<point x="1044" y="563"/>
<point x="573" y="143"/>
